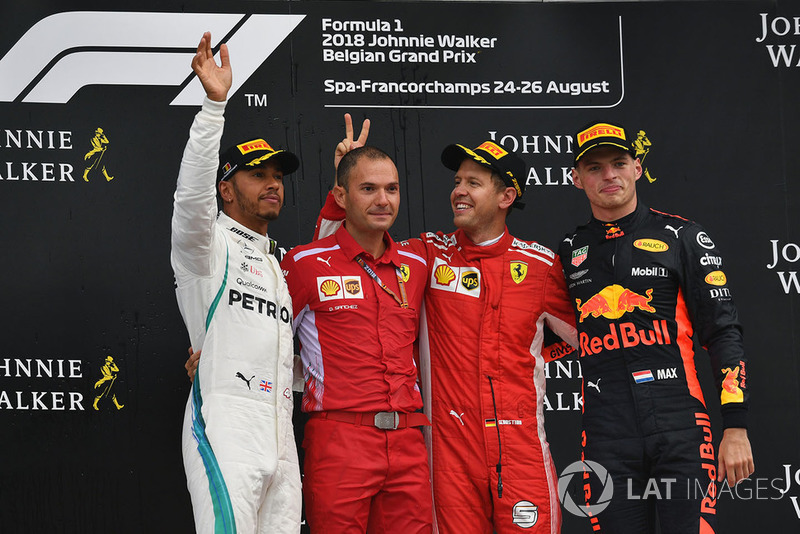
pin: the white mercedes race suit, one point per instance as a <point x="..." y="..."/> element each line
<point x="238" y="443"/>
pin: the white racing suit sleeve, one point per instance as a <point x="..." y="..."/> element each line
<point x="195" y="210"/>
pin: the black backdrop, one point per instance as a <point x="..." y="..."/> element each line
<point x="86" y="263"/>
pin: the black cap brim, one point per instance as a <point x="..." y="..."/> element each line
<point x="600" y="144"/>
<point x="453" y="155"/>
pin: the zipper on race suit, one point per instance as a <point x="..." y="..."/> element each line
<point x="499" y="466"/>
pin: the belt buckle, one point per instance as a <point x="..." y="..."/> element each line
<point x="387" y="420"/>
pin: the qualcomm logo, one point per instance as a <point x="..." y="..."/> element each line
<point x="64" y="52"/>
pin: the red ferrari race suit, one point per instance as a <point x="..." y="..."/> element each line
<point x="643" y="287"/>
<point x="483" y="377"/>
<point x="357" y="317"/>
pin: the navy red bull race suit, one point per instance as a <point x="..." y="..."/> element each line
<point x="644" y="288"/>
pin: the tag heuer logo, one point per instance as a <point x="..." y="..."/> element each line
<point x="579" y="255"/>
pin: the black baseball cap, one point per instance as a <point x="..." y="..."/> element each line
<point x="252" y="154"/>
<point x="494" y="156"/>
<point x="597" y="134"/>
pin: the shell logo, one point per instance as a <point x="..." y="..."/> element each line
<point x="444" y="275"/>
<point x="716" y="278"/>
<point x="651" y="245"/>
<point x="329" y="288"/>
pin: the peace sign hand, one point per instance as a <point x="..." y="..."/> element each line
<point x="347" y="144"/>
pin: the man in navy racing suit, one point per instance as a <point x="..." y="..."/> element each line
<point x="644" y="285"/>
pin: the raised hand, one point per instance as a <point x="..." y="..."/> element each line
<point x="216" y="79"/>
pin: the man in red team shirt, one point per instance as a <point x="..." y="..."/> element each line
<point x="357" y="297"/>
<point x="487" y="297"/>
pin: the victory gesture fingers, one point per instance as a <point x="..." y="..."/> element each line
<point x="347" y="144"/>
<point x="216" y="80"/>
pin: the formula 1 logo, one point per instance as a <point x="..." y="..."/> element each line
<point x="64" y="52"/>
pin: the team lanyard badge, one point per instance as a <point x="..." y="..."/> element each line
<point x="404" y="302"/>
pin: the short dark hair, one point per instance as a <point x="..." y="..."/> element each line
<point x="351" y="159"/>
<point x="499" y="186"/>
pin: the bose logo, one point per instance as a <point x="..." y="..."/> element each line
<point x="66" y="51"/>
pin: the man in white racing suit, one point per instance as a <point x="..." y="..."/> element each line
<point x="238" y="442"/>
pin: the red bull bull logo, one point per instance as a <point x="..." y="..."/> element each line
<point x="613" y="231"/>
<point x="731" y="392"/>
<point x="613" y="301"/>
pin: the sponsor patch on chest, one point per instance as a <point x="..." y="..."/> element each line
<point x="339" y="287"/>
<point x="463" y="280"/>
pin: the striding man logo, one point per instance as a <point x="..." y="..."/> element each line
<point x="94" y="158"/>
<point x="641" y="148"/>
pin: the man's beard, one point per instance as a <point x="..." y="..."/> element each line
<point x="247" y="206"/>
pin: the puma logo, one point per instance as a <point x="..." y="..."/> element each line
<point x="457" y="416"/>
<point x="448" y="256"/>
<point x="326" y="262"/>
<point x="595" y="385"/>
<point x="246" y="381"/>
<point x="569" y="240"/>
<point x="675" y="230"/>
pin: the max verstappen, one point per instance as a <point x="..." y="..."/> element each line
<point x="645" y="285"/>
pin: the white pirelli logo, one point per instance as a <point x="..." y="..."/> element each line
<point x="64" y="52"/>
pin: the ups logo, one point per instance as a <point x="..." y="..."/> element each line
<point x="470" y="280"/>
<point x="353" y="286"/>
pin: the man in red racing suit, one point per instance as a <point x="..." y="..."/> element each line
<point x="487" y="300"/>
<point x="644" y="283"/>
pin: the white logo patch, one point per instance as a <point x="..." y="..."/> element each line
<point x="339" y="287"/>
<point x="463" y="280"/>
